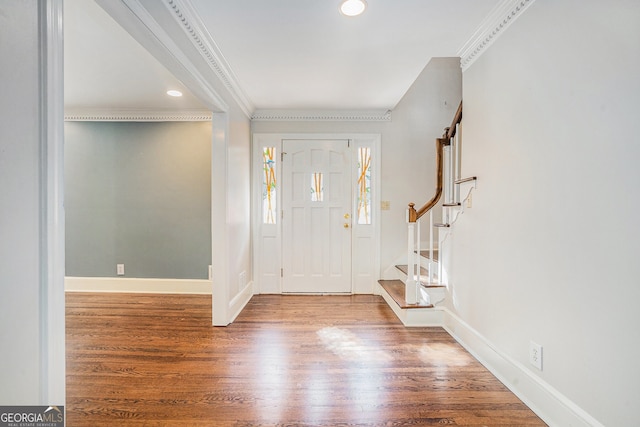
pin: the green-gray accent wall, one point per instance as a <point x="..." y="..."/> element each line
<point x="138" y="194"/>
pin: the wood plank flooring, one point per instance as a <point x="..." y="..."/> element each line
<point x="155" y="360"/>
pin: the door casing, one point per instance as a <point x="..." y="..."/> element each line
<point x="267" y="238"/>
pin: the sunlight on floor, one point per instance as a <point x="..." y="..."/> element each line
<point x="349" y="347"/>
<point x="443" y="353"/>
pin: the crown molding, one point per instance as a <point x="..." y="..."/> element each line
<point x="322" y="115"/>
<point x="186" y="16"/>
<point x="493" y="26"/>
<point x="118" y="115"/>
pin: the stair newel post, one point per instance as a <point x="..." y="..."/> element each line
<point x="410" y="286"/>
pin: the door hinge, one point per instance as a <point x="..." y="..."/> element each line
<point x="282" y="272"/>
<point x="282" y="153"/>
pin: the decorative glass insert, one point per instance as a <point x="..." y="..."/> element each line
<point x="364" y="185"/>
<point x="269" y="185"/>
<point x="317" y="189"/>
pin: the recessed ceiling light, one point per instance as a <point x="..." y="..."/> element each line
<point x="174" y="93"/>
<point x="353" y="7"/>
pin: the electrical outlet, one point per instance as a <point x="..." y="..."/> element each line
<point x="535" y="354"/>
<point x="210" y="272"/>
<point x="385" y="205"/>
<point x="120" y="269"/>
<point x="469" y="201"/>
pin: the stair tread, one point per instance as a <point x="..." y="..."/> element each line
<point x="424" y="276"/>
<point x="425" y="254"/>
<point x="395" y="289"/>
<point x="405" y="269"/>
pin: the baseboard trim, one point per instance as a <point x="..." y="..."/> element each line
<point x="239" y="301"/>
<point x="137" y="285"/>
<point x="549" y="404"/>
<point x="553" y="407"/>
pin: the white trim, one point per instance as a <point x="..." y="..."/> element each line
<point x="553" y="407"/>
<point x="503" y="15"/>
<point x="322" y="115"/>
<point x="52" y="234"/>
<point x="547" y="402"/>
<point x="118" y="115"/>
<point x="219" y="219"/>
<point x="137" y="285"/>
<point x="237" y="304"/>
<point x="190" y="22"/>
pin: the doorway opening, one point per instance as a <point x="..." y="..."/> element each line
<point x="316" y="216"/>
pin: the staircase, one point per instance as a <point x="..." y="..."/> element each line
<point x="430" y="292"/>
<point x="428" y="282"/>
<point x="422" y="282"/>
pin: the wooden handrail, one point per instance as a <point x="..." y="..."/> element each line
<point x="457" y="118"/>
<point x="449" y="133"/>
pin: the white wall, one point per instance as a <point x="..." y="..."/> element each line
<point x="548" y="250"/>
<point x="408" y="146"/>
<point x="239" y="200"/>
<point x="32" y="366"/>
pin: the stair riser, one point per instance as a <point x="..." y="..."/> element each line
<point x="434" y="295"/>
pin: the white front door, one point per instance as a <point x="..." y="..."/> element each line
<point x="316" y="216"/>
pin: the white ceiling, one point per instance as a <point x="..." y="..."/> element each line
<point x="105" y="68"/>
<point x="285" y="54"/>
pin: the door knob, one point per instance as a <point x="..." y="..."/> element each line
<point x="346" y="225"/>
<point x="347" y="216"/>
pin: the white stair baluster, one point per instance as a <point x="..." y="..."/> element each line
<point x="456" y="172"/>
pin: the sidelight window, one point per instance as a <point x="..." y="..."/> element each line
<point x="364" y="185"/>
<point x="269" y="185"/>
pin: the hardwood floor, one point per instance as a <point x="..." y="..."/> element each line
<point x="147" y="360"/>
